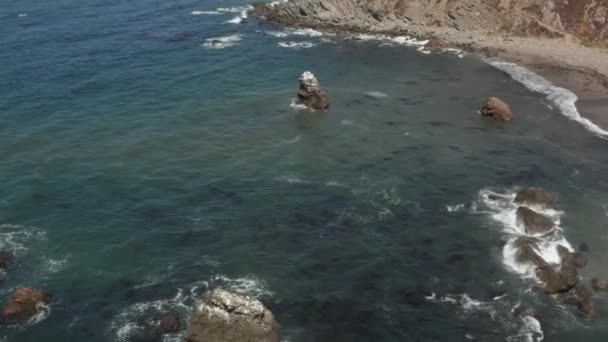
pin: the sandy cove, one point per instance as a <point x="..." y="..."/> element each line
<point x="562" y="58"/>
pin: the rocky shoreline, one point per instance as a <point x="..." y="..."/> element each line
<point x="566" y="44"/>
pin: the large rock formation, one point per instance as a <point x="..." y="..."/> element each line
<point x="497" y="109"/>
<point x="24" y="303"/>
<point x="310" y="93"/>
<point x="533" y="222"/>
<point x="586" y="20"/>
<point x="536" y="196"/>
<point x="225" y="316"/>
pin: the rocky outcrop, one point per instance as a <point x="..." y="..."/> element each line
<point x="25" y="303"/>
<point x="536" y="196"/>
<point x="527" y="252"/>
<point x="497" y="109"/>
<point x="225" y="316"/>
<point x="310" y="93"/>
<point x="587" y="20"/>
<point x="533" y="222"/>
<point x="600" y="284"/>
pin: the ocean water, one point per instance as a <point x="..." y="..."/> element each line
<point x="149" y="152"/>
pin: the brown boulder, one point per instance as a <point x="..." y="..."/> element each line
<point x="226" y="316"/>
<point x="526" y="252"/>
<point x="533" y="222"/>
<point x="310" y="93"/>
<point x="497" y="109"/>
<point x="536" y="196"/>
<point x="600" y="284"/>
<point x="24" y="303"/>
<point x="557" y="282"/>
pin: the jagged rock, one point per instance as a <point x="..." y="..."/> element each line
<point x="497" y="109"/>
<point x="310" y="93"/>
<point x="24" y="303"/>
<point x="526" y="252"/>
<point x="585" y="19"/>
<point x="225" y="316"/>
<point x="600" y="284"/>
<point x="533" y="222"/>
<point x="536" y="196"/>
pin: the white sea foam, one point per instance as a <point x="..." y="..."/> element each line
<point x="205" y="12"/>
<point x="455" y="208"/>
<point x="17" y="239"/>
<point x="562" y="98"/>
<point x="55" y="265"/>
<point x="128" y="324"/>
<point x="530" y="331"/>
<point x="298" y="106"/>
<point x="500" y="206"/>
<point x="376" y="94"/>
<point x="305" y="32"/>
<point x="239" y="19"/>
<point x="22" y="15"/>
<point x="249" y="285"/>
<point x="385" y="40"/>
<point x="296" y="45"/>
<point x="236" y="9"/>
<point x="222" y="42"/>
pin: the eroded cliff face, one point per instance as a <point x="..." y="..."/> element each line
<point x="586" y="20"/>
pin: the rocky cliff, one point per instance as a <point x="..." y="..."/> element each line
<point x="585" y="20"/>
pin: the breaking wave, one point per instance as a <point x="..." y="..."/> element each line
<point x="296" y="45"/>
<point x="501" y="208"/>
<point x="222" y="42"/>
<point x="562" y="98"/>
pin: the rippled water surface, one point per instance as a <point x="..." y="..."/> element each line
<point x="149" y="153"/>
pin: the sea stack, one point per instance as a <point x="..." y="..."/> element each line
<point x="310" y="93"/>
<point x="226" y="316"/>
<point x="497" y="109"/>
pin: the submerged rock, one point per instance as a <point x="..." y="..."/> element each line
<point x="225" y="316"/>
<point x="536" y="196"/>
<point x="533" y="222"/>
<point x="497" y="109"/>
<point x="310" y="93"/>
<point x="24" y="303"/>
<point x="169" y="322"/>
<point x="600" y="284"/>
<point x="6" y="258"/>
<point x="585" y="301"/>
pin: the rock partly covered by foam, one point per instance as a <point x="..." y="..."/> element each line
<point x="225" y="316"/>
<point x="25" y="303"/>
<point x="533" y="222"/>
<point x="310" y="93"/>
<point x="536" y="196"/>
<point x="527" y="252"/>
<point x="497" y="109"/>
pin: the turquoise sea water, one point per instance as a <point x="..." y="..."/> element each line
<point x="139" y="167"/>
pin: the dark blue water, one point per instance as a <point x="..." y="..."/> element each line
<point x="138" y="168"/>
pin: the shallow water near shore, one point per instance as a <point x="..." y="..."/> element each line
<point x="150" y="152"/>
